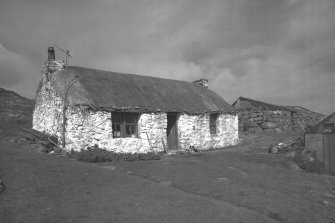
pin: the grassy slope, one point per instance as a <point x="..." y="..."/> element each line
<point x="239" y="184"/>
<point x="15" y="112"/>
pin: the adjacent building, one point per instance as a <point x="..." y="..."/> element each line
<point x="257" y="116"/>
<point x="320" y="139"/>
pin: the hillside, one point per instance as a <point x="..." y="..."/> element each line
<point x="15" y="111"/>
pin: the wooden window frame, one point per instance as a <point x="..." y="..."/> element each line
<point x="122" y="124"/>
<point x="213" y="123"/>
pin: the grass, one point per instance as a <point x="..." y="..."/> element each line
<point x="97" y="155"/>
<point x="308" y="162"/>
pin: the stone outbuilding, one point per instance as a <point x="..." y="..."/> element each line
<point x="130" y="113"/>
<point x="257" y="116"/>
<point x="320" y="139"/>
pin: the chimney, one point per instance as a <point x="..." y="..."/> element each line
<point x="202" y="82"/>
<point x="51" y="53"/>
<point x="52" y="65"/>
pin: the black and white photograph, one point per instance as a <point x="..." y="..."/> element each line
<point x="151" y="111"/>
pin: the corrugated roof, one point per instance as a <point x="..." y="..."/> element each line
<point x="129" y="92"/>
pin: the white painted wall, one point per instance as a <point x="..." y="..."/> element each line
<point x="85" y="127"/>
<point x="193" y="130"/>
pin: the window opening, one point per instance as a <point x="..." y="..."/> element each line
<point x="212" y="123"/>
<point x="124" y="125"/>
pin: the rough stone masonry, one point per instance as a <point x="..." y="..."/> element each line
<point x="85" y="127"/>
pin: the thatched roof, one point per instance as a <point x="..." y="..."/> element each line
<point x="112" y="91"/>
<point x="263" y="105"/>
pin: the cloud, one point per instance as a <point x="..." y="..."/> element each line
<point x="16" y="72"/>
<point x="280" y="51"/>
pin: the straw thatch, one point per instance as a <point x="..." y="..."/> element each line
<point x="112" y="91"/>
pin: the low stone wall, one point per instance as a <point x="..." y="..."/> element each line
<point x="193" y="130"/>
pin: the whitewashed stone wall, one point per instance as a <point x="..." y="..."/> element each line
<point x="151" y="130"/>
<point x="193" y="130"/>
<point x="227" y="131"/>
<point x="85" y="127"/>
<point x="47" y="115"/>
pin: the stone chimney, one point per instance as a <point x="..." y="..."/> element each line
<point x="51" y="53"/>
<point x="202" y="82"/>
<point x="51" y="65"/>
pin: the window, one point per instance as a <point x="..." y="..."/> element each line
<point x="212" y="123"/>
<point x="124" y="125"/>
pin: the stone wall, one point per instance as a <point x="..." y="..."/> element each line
<point x="227" y="131"/>
<point x="193" y="130"/>
<point x="260" y="120"/>
<point x="47" y="115"/>
<point x="85" y="127"/>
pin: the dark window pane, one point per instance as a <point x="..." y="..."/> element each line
<point x="131" y="130"/>
<point x="212" y="123"/>
<point x="116" y="118"/>
<point x="116" y="130"/>
<point x="124" y="124"/>
<point x="130" y="118"/>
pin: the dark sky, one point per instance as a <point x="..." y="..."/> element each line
<point x="277" y="51"/>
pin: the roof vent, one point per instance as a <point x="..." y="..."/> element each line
<point x="202" y="82"/>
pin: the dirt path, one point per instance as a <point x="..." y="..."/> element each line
<point x="243" y="184"/>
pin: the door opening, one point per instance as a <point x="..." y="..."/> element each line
<point x="171" y="131"/>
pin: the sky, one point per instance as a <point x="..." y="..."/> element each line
<point x="277" y="51"/>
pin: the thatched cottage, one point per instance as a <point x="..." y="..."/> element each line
<point x="130" y="113"/>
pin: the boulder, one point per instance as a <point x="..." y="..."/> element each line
<point x="258" y="129"/>
<point x="253" y="115"/>
<point x="279" y="130"/>
<point x="269" y="125"/>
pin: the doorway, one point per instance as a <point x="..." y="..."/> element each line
<point x="171" y="131"/>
